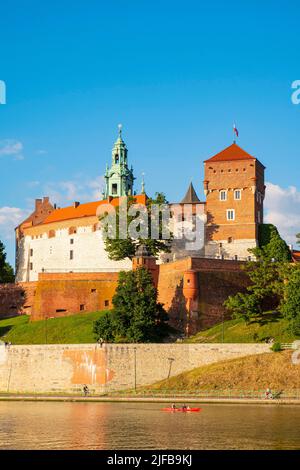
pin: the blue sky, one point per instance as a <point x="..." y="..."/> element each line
<point x="175" y="74"/>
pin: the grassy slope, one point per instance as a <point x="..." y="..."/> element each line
<point x="73" y="329"/>
<point x="237" y="331"/>
<point x="257" y="372"/>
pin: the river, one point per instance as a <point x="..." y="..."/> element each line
<point x="59" y="425"/>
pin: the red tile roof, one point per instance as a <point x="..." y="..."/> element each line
<point x="85" y="210"/>
<point x="296" y="256"/>
<point x="231" y="153"/>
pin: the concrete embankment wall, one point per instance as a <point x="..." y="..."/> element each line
<point x="65" y="368"/>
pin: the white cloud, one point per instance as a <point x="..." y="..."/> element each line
<point x="282" y="208"/>
<point x="11" y="148"/>
<point x="78" y="189"/>
<point x="10" y="218"/>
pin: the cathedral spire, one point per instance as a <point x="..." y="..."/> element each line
<point x="120" y="131"/>
<point x="119" y="178"/>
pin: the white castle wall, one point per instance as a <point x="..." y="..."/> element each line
<point x="237" y="248"/>
<point x="54" y="254"/>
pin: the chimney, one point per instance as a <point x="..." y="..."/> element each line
<point x="76" y="204"/>
<point x="45" y="200"/>
<point x="38" y="203"/>
<point x="54" y="205"/>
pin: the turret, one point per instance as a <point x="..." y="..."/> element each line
<point x="119" y="178"/>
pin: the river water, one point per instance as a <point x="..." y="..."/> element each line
<point x="48" y="425"/>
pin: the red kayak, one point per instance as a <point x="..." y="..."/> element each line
<point x="183" y="410"/>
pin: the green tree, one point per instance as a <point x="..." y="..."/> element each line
<point x="119" y="248"/>
<point x="6" y="271"/>
<point x="271" y="246"/>
<point x="266" y="274"/>
<point x="104" y="327"/>
<point x="298" y="238"/>
<point x="245" y="306"/>
<point x="291" y="301"/>
<point x="136" y="316"/>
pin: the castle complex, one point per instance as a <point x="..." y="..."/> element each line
<point x="62" y="267"/>
<point x="70" y="239"/>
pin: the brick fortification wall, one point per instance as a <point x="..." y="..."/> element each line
<point x="61" y="294"/>
<point x="16" y="299"/>
<point x="66" y="368"/>
<point x="216" y="280"/>
<point x="68" y="293"/>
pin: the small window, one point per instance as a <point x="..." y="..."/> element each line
<point x="116" y="158"/>
<point x="93" y="290"/>
<point x="60" y="310"/>
<point x="71" y="254"/>
<point x="230" y="239"/>
<point x="31" y="266"/>
<point x="81" y="307"/>
<point x="106" y="303"/>
<point x="114" y="188"/>
<point x="223" y="195"/>
<point x="71" y="241"/>
<point x="31" y="252"/>
<point x="237" y="194"/>
<point x="230" y="214"/>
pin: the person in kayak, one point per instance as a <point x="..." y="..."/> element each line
<point x="184" y="407"/>
<point x="174" y="407"/>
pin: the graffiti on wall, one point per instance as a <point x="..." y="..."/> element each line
<point x="89" y="366"/>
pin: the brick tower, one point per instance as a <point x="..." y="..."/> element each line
<point x="234" y="188"/>
<point x="142" y="258"/>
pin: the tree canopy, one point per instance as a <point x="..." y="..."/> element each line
<point x="268" y="275"/>
<point x="6" y="270"/>
<point x="136" y="316"/>
<point x="120" y="247"/>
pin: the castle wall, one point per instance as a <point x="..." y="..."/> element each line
<point x="237" y="248"/>
<point x="217" y="279"/>
<point x="16" y="299"/>
<point x="58" y="249"/>
<point x="66" y="368"/>
<point x="62" y="294"/>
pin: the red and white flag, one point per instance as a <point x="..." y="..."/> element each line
<point x="235" y="130"/>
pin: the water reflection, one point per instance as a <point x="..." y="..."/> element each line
<point x="144" y="426"/>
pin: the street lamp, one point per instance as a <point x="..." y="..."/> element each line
<point x="46" y="330"/>
<point x="170" y="359"/>
<point x="134" y="351"/>
<point x="222" y="327"/>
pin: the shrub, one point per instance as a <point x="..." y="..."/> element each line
<point x="276" y="347"/>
